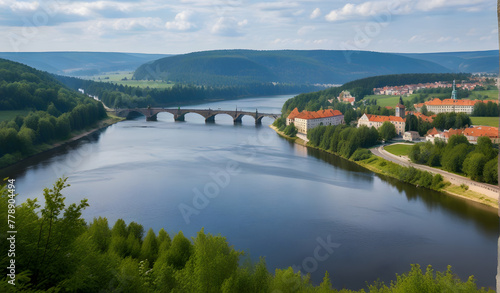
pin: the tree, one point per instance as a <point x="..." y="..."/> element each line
<point x="473" y="165"/>
<point x="423" y="110"/>
<point x="100" y="233"/>
<point x="47" y="259"/>
<point x="490" y="171"/>
<point x="453" y="160"/>
<point x="387" y="131"/>
<point x="149" y="249"/>
<point x="291" y="130"/>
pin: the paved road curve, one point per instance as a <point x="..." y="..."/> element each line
<point x="483" y="188"/>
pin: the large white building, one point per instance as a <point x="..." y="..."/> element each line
<point x="306" y="120"/>
<point x="449" y="105"/>
<point x="377" y="121"/>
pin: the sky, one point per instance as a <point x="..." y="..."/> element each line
<point x="175" y="27"/>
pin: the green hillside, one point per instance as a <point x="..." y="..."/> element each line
<point x="476" y="61"/>
<point x="37" y="111"/>
<point x="229" y="67"/>
<point x="81" y="63"/>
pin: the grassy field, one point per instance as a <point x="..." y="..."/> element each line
<point x="383" y="100"/>
<point x="392" y="101"/>
<point x="487" y="95"/>
<point x="399" y="149"/>
<point x="125" y="78"/>
<point x="8" y="115"/>
<point x="486" y="121"/>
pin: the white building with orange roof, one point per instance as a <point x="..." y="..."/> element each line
<point x="306" y="120"/>
<point x="473" y="133"/>
<point x="377" y="121"/>
<point x="450" y="105"/>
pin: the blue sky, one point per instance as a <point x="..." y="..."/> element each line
<point x="150" y="26"/>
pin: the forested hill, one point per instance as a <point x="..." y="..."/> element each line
<point x="476" y="61"/>
<point x="54" y="111"/>
<point x="25" y="88"/>
<point x="230" y="67"/>
<point x="81" y="63"/>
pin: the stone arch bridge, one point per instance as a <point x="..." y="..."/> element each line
<point x="209" y="114"/>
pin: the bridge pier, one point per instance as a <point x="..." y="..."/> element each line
<point x="210" y="119"/>
<point x="179" y="118"/>
<point x="237" y="119"/>
<point x="152" y="118"/>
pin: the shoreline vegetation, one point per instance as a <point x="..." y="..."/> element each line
<point x="69" y="254"/>
<point x="376" y="164"/>
<point x="74" y="136"/>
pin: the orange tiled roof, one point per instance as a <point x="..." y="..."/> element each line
<point x="294" y="113"/>
<point x="422" y="116"/>
<point x="491" y="132"/>
<point x="379" y="118"/>
<point x="451" y="132"/>
<point x="449" y="102"/>
<point x="433" y="131"/>
<point x="314" y="115"/>
<point x="388" y="107"/>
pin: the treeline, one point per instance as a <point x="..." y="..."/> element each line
<point x="479" y="162"/>
<point x="56" y="250"/>
<point x="352" y="143"/>
<point x="25" y="88"/>
<point x="489" y="109"/>
<point x="21" y="136"/>
<point x="56" y="111"/>
<point x="122" y="96"/>
<point x="402" y="79"/>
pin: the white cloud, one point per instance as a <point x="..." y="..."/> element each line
<point x="228" y="26"/>
<point x="305" y="30"/>
<point x="416" y="39"/>
<point x="316" y="13"/>
<point x="443" y="39"/>
<point x="181" y="22"/>
<point x="399" y="7"/>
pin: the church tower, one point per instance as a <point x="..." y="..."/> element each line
<point x="454" y="92"/>
<point x="400" y="109"/>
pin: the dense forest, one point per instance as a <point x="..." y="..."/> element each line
<point x="56" y="111"/>
<point x="479" y="162"/>
<point x="120" y="96"/>
<point x="238" y="67"/>
<point x="55" y="250"/>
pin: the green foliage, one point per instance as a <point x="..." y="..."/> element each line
<point x="361" y="154"/>
<point x="62" y="253"/>
<point x="387" y="131"/>
<point x="280" y="123"/>
<point x="451" y="120"/>
<point x="343" y="140"/>
<point x="490" y="171"/>
<point x="22" y="87"/>
<point x="489" y="109"/>
<point x="290" y="130"/>
<point x="473" y="165"/>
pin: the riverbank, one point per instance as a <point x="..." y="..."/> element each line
<point x="75" y="136"/>
<point x="378" y="164"/>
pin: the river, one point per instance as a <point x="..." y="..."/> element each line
<point x="269" y="197"/>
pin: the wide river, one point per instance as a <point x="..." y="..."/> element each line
<point x="269" y="197"/>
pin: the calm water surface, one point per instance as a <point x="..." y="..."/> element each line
<point x="268" y="197"/>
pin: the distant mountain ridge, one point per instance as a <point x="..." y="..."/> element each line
<point x="81" y="63"/>
<point x="285" y="66"/>
<point x="470" y="62"/>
